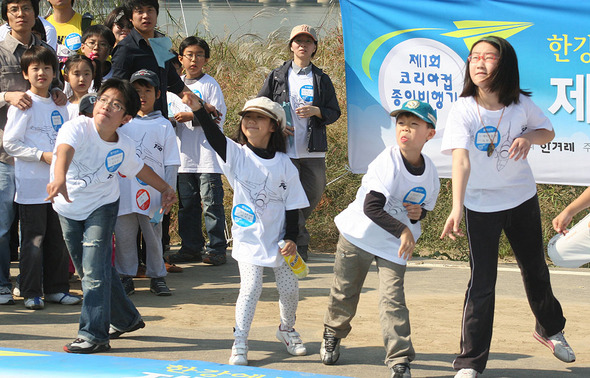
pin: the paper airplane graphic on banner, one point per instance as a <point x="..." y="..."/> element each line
<point x="471" y="30"/>
<point x="9" y="353"/>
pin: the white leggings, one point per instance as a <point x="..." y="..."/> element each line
<point x="250" y="290"/>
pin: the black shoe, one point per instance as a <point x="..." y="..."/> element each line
<point x="128" y="285"/>
<point x="302" y="250"/>
<point x="330" y="348"/>
<point x="401" y="371"/>
<point x="85" y="347"/>
<point x="214" y="259"/>
<point x="183" y="257"/>
<point x="158" y="286"/>
<point x="115" y="333"/>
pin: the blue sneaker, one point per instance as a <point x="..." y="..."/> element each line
<point x="35" y="303"/>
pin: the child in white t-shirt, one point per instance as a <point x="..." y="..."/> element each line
<point x="155" y="144"/>
<point x="89" y="154"/>
<point x="267" y="197"/>
<point x="81" y="76"/>
<point x="199" y="178"/>
<point x="30" y="136"/>
<point x="382" y="224"/>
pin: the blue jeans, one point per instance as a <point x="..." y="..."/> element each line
<point x="192" y="189"/>
<point x="90" y="245"/>
<point x="7" y="210"/>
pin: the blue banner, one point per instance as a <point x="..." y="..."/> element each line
<point x="20" y="363"/>
<point x="400" y="50"/>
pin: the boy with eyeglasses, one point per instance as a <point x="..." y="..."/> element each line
<point x="89" y="154"/>
<point x="199" y="178"/>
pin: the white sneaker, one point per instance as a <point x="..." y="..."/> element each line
<point x="35" y="303"/>
<point x="239" y="354"/>
<point x="63" y="298"/>
<point x="466" y="373"/>
<point x="558" y="345"/>
<point x="292" y="341"/>
<point x="6" y="296"/>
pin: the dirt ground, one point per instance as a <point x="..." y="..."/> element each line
<point x="196" y="322"/>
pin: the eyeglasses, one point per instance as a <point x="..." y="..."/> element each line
<point x="106" y="103"/>
<point x="101" y="45"/>
<point x="487" y="57"/>
<point x="23" y="10"/>
<point x="192" y="56"/>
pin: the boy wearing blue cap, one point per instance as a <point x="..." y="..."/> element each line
<point x="382" y="224"/>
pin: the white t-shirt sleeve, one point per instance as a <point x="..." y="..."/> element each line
<point x="380" y="172"/>
<point x="132" y="163"/>
<point x="457" y="132"/>
<point x="14" y="135"/>
<point x="71" y="133"/>
<point x="234" y="157"/>
<point x="536" y="119"/>
<point x="214" y="96"/>
<point x="171" y="154"/>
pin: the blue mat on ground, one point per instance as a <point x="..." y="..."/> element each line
<point x="23" y="363"/>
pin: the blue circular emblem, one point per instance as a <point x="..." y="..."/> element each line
<point x="243" y="215"/>
<point x="485" y="136"/>
<point x="114" y="159"/>
<point x="196" y="91"/>
<point x="415" y="196"/>
<point x="56" y="120"/>
<point x="306" y="93"/>
<point x="73" y="41"/>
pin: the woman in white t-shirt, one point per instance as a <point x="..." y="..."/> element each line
<point x="489" y="132"/>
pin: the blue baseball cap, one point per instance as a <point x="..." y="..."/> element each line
<point x="420" y="109"/>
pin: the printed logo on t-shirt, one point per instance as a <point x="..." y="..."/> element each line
<point x="243" y="215"/>
<point x="198" y="93"/>
<point x="114" y="159"/>
<point x="142" y="198"/>
<point x="485" y="136"/>
<point x="415" y="196"/>
<point x="56" y="120"/>
<point x="73" y="41"/>
<point x="140" y="182"/>
<point x="306" y="93"/>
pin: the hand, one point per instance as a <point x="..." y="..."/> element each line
<point x="57" y="187"/>
<point x="561" y="221"/>
<point x="183" y="116"/>
<point x="414" y="211"/>
<point x="289" y="131"/>
<point x="168" y="199"/>
<point x="290" y="248"/>
<point x="58" y="97"/>
<point x="520" y="148"/>
<point x="451" y="228"/>
<point x="19" y="99"/>
<point x="307" y="111"/>
<point x="47" y="157"/>
<point x="192" y="100"/>
<point x="407" y="244"/>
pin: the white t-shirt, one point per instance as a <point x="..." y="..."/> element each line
<point x="196" y="154"/>
<point x="91" y="179"/>
<point x="388" y="175"/>
<point x="73" y="110"/>
<point x="155" y="144"/>
<point x="263" y="190"/>
<point x="495" y="182"/>
<point x="300" y="94"/>
<point x="27" y="135"/>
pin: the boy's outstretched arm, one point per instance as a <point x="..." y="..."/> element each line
<point x="564" y="218"/>
<point x="147" y="175"/>
<point x="63" y="158"/>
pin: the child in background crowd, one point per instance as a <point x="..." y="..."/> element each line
<point x="199" y="178"/>
<point x="155" y="144"/>
<point x="30" y="137"/>
<point x="97" y="44"/>
<point x="80" y="73"/>
<point x="382" y="224"/>
<point x="267" y="198"/>
<point x="89" y="153"/>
